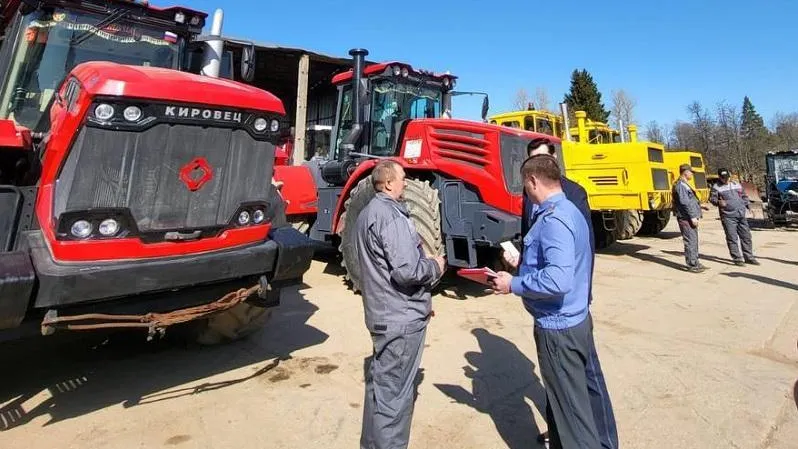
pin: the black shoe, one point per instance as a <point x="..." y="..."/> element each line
<point x="752" y="262"/>
<point x="739" y="263"/>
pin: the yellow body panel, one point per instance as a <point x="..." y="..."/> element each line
<point x="616" y="176"/>
<point x="676" y="158"/>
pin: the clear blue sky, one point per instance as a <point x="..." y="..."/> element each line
<point x="665" y="53"/>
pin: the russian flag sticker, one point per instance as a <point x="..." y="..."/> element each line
<point x="170" y="37"/>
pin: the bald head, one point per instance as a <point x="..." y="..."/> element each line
<point x="388" y="177"/>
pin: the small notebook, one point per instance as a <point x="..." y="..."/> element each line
<point x="480" y="275"/>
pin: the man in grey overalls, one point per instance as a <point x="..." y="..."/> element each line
<point x="687" y="209"/>
<point x="396" y="278"/>
<point x="732" y="202"/>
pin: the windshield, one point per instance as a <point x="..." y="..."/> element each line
<point x="392" y="104"/>
<point x="53" y="41"/>
<point x="786" y="168"/>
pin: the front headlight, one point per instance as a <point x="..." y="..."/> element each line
<point x="260" y="124"/>
<point x="109" y="227"/>
<point x="81" y="229"/>
<point x="132" y="113"/>
<point x="104" y="111"/>
<point x="243" y="218"/>
<point x="258" y="216"/>
<point x="274" y="126"/>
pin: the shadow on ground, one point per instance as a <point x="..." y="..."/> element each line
<point x="701" y="256"/>
<point x="502" y="378"/>
<point x="69" y="375"/>
<point x="763" y="279"/>
<point x="635" y="251"/>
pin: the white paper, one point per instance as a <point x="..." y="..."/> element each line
<point x="510" y="249"/>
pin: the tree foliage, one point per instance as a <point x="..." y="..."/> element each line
<point x="585" y="96"/>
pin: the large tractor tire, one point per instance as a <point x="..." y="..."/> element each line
<point x="234" y="324"/>
<point x="627" y="224"/>
<point x="423" y="204"/>
<point x="654" y="222"/>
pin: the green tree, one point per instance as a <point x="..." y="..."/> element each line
<point x="755" y="139"/>
<point x="585" y="96"/>
<point x="753" y="128"/>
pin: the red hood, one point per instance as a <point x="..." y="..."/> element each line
<point x="111" y="79"/>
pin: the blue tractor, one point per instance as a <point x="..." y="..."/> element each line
<point x="781" y="184"/>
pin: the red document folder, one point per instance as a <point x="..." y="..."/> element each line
<point x="480" y="275"/>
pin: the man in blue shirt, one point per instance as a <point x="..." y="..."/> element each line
<point x="554" y="282"/>
<point x="596" y="385"/>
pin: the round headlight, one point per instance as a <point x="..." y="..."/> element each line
<point x="132" y="113"/>
<point x="454" y="83"/>
<point x="104" y="111"/>
<point x="405" y="72"/>
<point x="109" y="227"/>
<point x="274" y="126"/>
<point x="81" y="229"/>
<point x="260" y="124"/>
<point x="258" y="216"/>
<point x="446" y="82"/>
<point x="396" y="70"/>
<point x="243" y="218"/>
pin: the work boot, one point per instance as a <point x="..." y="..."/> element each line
<point x="739" y="263"/>
<point x="753" y="262"/>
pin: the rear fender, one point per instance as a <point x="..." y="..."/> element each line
<point x="15" y="137"/>
<point x="363" y="170"/>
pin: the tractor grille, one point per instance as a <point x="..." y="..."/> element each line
<point x="460" y="146"/>
<point x="603" y="181"/>
<point x="141" y="172"/>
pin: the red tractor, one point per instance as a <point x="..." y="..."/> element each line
<point x="133" y="194"/>
<point x="463" y="188"/>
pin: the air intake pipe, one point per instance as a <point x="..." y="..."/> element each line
<point x="350" y="141"/>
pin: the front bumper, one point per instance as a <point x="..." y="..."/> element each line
<point x="282" y="259"/>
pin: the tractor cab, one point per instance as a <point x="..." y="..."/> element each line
<point x="391" y="95"/>
<point x="44" y="41"/>
<point x="781" y="182"/>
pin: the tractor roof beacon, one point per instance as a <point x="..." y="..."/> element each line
<point x="130" y="187"/>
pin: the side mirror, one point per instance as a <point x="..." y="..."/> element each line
<point x="248" y="63"/>
<point x="485" y="107"/>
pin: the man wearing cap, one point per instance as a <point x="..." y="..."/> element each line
<point x="732" y="203"/>
<point x="687" y="209"/>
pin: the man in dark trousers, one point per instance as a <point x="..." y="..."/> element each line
<point x="597" y="388"/>
<point x="554" y="282"/>
<point x="396" y="282"/>
<point x="732" y="202"/>
<point x="687" y="209"/>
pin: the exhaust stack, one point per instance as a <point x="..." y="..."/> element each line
<point x="214" y="47"/>
<point x="566" y="123"/>
<point x="351" y="139"/>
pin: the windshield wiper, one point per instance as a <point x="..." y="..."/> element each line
<point x="115" y="17"/>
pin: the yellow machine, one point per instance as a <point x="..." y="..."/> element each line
<point x="627" y="183"/>
<point x="676" y="158"/>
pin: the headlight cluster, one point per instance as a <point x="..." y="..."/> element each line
<point x="84" y="229"/>
<point x="106" y="112"/>
<point x="251" y="216"/>
<point x="261" y="125"/>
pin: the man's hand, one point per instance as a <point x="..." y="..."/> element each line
<point x="722" y="203"/>
<point x="510" y="259"/>
<point x="501" y="283"/>
<point x="694" y="222"/>
<point x="441" y="261"/>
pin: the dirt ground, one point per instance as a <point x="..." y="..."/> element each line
<point x="692" y="361"/>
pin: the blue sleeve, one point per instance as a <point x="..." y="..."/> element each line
<point x="556" y="278"/>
